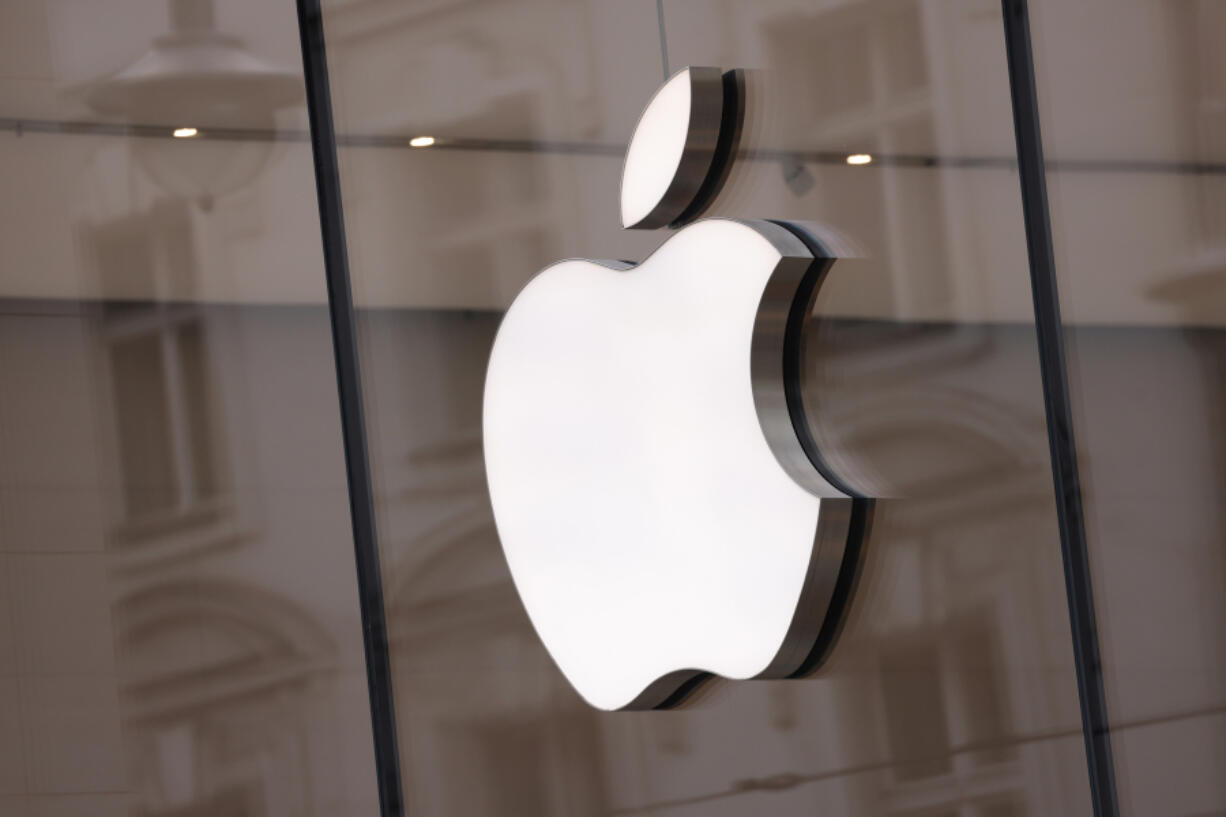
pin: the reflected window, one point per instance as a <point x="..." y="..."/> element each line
<point x="854" y="65"/>
<point x="903" y="57"/>
<point x="223" y="686"/>
<point x="945" y="707"/>
<point x="861" y="75"/>
<point x="503" y="768"/>
<point x="1201" y="73"/>
<point x="914" y="708"/>
<point x="159" y="375"/>
<point x="981" y="694"/>
<point x="488" y="215"/>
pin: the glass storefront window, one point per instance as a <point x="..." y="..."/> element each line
<point x="181" y="624"/>
<point x="178" y="618"/>
<point x="1134" y="131"/>
<point x="952" y="688"/>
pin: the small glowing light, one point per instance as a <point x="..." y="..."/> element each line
<point x="859" y="159"/>
<point x="421" y="141"/>
<point x="184" y="133"/>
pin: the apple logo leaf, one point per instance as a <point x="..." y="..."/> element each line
<point x="665" y="515"/>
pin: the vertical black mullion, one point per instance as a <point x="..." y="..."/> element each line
<point x="1049" y="330"/>
<point x="353" y="421"/>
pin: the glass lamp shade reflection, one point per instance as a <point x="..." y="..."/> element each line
<point x="197" y="79"/>
<point x="202" y="169"/>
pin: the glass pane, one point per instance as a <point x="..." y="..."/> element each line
<point x="141" y="415"/>
<point x="203" y="436"/>
<point x="1133" y="107"/>
<point x="952" y="689"/>
<point x="179" y="628"/>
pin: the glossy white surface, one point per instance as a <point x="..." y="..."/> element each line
<point x="648" y="526"/>
<point x="654" y="154"/>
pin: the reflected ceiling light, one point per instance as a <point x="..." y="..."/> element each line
<point x="184" y="133"/>
<point x="860" y="159"/>
<point x="194" y="73"/>
<point x="421" y="141"/>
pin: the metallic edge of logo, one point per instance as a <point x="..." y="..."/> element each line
<point x="776" y="361"/>
<point x="702" y="138"/>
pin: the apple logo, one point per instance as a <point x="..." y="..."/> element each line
<point x="664" y="512"/>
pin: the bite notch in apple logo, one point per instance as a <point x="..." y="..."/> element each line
<point x="664" y="511"/>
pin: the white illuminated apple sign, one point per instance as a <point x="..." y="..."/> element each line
<point x="662" y="515"/>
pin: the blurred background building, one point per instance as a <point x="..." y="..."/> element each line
<point x="179" y="619"/>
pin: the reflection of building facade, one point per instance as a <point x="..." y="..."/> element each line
<point x="917" y="693"/>
<point x="191" y="647"/>
<point x="178" y="621"/>
<point x="226" y="699"/>
<point x="217" y="672"/>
